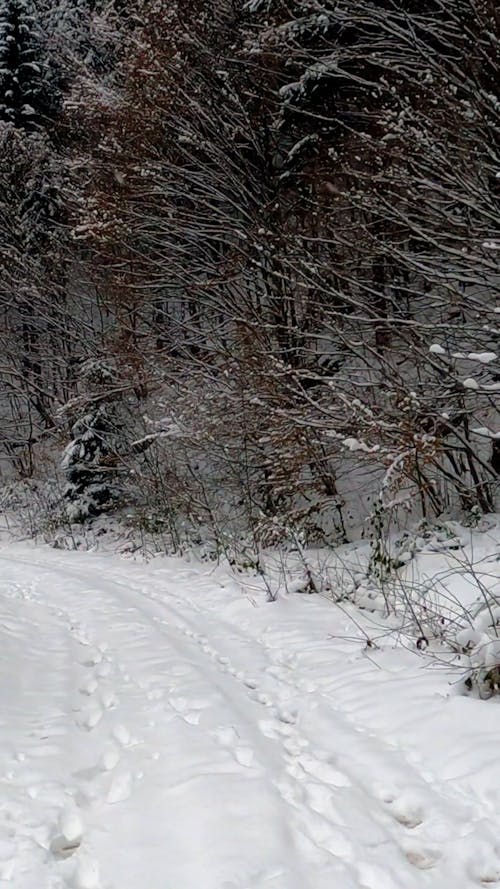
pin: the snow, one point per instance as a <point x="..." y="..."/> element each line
<point x="353" y="444"/>
<point x="163" y="725"/>
<point x="484" y="432"/>
<point x="482" y="357"/>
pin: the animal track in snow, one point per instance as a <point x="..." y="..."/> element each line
<point x="109" y="700"/>
<point x="320" y="799"/>
<point x="485" y="866"/>
<point x="326" y="835"/>
<point x="93" y="659"/>
<point x="121" y="735"/>
<point x="179" y="704"/>
<point x="226" y="735"/>
<point x="92" y="718"/>
<point x="109" y="759"/>
<point x="407" y="809"/>
<point x="260" y="697"/>
<point x="70" y="825"/>
<point x="89" y="687"/>
<point x="104" y="670"/>
<point x="293" y="745"/>
<point x="287" y="716"/>
<point x="249" y="681"/>
<point x="69" y="837"/>
<point x="120" y="787"/>
<point x="244" y="756"/>
<point x="323" y="771"/>
<point x="423" y="857"/>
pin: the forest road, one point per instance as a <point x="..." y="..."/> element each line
<point x="149" y="740"/>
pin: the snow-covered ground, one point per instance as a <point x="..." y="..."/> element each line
<point x="163" y="727"/>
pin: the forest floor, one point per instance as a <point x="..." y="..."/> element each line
<point x="163" y="726"/>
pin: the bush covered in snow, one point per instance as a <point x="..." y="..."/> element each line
<point x="479" y="646"/>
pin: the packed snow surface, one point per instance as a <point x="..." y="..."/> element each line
<point x="163" y="727"/>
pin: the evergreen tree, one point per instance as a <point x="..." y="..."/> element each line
<point x="20" y="67"/>
<point x="90" y="459"/>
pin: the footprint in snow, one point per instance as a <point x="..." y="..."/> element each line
<point x="122" y="735"/>
<point x="244" y="756"/>
<point x="485" y="868"/>
<point x="179" y="704"/>
<point x="88" y="687"/>
<point x="109" y="759"/>
<point x="120" y="787"/>
<point x="109" y="700"/>
<point x="293" y="745"/>
<point x="92" y="718"/>
<point x="287" y="716"/>
<point x="407" y="809"/>
<point x="423" y="857"/>
<point x="186" y="710"/>
<point x="259" y="696"/>
<point x="323" y="771"/>
<point x="319" y="798"/>
<point x="272" y="728"/>
<point x="325" y="835"/>
<point x="249" y="681"/>
<point x="226" y="735"/>
<point x="290" y="792"/>
<point x="69" y="836"/>
<point x="207" y="649"/>
<point x="104" y="670"/>
<point x="93" y="659"/>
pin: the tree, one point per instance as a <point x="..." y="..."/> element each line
<point x="390" y="157"/>
<point x="27" y="90"/>
<point x="91" y="460"/>
<point x="286" y="214"/>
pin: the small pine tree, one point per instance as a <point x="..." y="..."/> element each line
<point x="90" y="460"/>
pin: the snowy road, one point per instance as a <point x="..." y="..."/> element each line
<point x="160" y="730"/>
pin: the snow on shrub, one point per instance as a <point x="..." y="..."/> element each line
<point x="479" y="644"/>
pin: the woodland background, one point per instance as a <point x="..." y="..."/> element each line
<point x="249" y="265"/>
